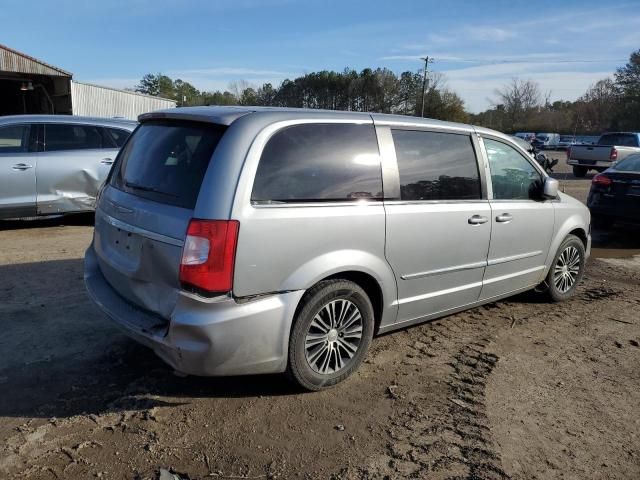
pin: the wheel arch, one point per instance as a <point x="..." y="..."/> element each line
<point x="574" y="225"/>
<point x="370" y="272"/>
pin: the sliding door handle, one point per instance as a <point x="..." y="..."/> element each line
<point x="22" y="166"/>
<point x="504" y="218"/>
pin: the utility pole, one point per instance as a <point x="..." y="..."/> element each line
<point x="427" y="60"/>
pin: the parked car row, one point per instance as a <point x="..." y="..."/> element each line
<point x="541" y="141"/>
<point x="555" y="141"/>
<point x="55" y="164"/>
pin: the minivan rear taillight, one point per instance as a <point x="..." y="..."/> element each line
<point x="614" y="154"/>
<point x="208" y="255"/>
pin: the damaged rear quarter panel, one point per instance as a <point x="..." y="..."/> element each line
<point x="68" y="181"/>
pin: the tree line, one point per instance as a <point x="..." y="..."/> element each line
<point x="369" y="90"/>
<point x="609" y="104"/>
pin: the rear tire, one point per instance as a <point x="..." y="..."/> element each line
<point x="566" y="270"/>
<point x="331" y="334"/>
<point x="580" y="172"/>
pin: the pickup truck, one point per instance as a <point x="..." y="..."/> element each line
<point x="610" y="148"/>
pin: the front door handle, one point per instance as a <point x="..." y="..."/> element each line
<point x="477" y="220"/>
<point x="504" y="218"/>
<point x="22" y="166"/>
<point x="107" y="161"/>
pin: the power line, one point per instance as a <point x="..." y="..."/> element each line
<point x="524" y="60"/>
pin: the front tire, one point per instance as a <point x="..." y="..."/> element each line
<point x="580" y="172"/>
<point x="331" y="334"/>
<point x="566" y="270"/>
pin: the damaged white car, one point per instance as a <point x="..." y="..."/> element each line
<point x="55" y="164"/>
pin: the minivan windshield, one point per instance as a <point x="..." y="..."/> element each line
<point x="165" y="161"/>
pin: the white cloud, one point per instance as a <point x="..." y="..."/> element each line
<point x="491" y="34"/>
<point x="477" y="85"/>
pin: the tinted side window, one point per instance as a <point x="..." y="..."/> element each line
<point x="118" y="135"/>
<point x="436" y="166"/>
<point x="319" y="162"/>
<point x="512" y="176"/>
<point x="59" y="136"/>
<point x="14" y="138"/>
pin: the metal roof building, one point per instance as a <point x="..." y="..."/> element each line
<point x="31" y="86"/>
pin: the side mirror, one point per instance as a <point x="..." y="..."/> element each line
<point x="550" y="188"/>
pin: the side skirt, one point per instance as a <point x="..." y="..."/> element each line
<point x="451" y="311"/>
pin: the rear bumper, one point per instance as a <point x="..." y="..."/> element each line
<point x="590" y="163"/>
<point x="204" y="336"/>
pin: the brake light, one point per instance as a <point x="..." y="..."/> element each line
<point x="208" y="255"/>
<point x="614" y="154"/>
<point x="568" y="153"/>
<point x="601" y="180"/>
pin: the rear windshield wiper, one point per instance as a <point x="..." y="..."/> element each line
<point x="146" y="188"/>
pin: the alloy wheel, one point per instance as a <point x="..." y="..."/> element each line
<point x="333" y="337"/>
<point x="566" y="269"/>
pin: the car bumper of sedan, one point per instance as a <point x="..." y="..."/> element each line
<point x="219" y="336"/>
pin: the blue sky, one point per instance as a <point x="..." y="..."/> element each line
<point x="479" y="46"/>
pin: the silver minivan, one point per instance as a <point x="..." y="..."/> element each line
<point x="237" y="240"/>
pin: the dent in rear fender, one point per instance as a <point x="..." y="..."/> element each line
<point x="332" y="263"/>
<point x="227" y="338"/>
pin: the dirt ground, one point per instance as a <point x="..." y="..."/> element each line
<point x="516" y="389"/>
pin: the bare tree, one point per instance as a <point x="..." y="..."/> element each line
<point x="237" y="88"/>
<point x="519" y="98"/>
<point x="596" y="109"/>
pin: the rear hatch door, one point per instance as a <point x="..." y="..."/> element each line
<point x="145" y="208"/>
<point x="590" y="153"/>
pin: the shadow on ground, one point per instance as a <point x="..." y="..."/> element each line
<point x="78" y="219"/>
<point x="61" y="357"/>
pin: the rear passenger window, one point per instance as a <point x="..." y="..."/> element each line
<point x="319" y="162"/>
<point x="119" y="136"/>
<point x="13" y="139"/>
<point x="436" y="166"/>
<point x="59" y="136"/>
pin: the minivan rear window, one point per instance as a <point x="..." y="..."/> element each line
<point x="165" y="161"/>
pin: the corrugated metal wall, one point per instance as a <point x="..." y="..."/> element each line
<point x="95" y="101"/>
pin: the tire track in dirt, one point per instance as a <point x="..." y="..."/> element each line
<point x="442" y="432"/>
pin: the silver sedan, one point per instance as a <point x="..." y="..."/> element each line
<point x="55" y="164"/>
